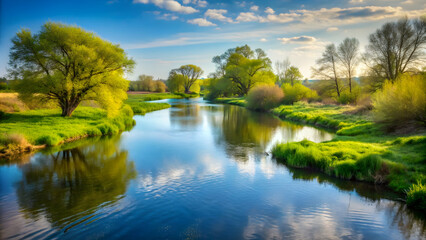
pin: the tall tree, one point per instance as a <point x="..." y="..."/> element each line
<point x="190" y="73"/>
<point x="281" y="68"/>
<point x="244" y="68"/>
<point x="347" y="54"/>
<point x="68" y="65"/>
<point x="396" y="47"/>
<point x="293" y="74"/>
<point x="328" y="66"/>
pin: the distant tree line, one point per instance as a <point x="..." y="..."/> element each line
<point x="148" y="84"/>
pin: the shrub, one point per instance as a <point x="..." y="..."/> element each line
<point x="416" y="196"/>
<point x="298" y="92"/>
<point x="49" y="140"/>
<point x="264" y="98"/>
<point x="159" y="86"/>
<point x="347" y="97"/>
<point x="402" y="102"/>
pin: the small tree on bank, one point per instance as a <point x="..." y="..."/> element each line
<point x="190" y="74"/>
<point x="67" y="65"/>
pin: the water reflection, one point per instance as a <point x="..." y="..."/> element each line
<point x="244" y="132"/>
<point x="71" y="184"/>
<point x="200" y="171"/>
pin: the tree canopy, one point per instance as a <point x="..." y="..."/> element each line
<point x="67" y="64"/>
<point x="186" y="75"/>
<point x="244" y="68"/>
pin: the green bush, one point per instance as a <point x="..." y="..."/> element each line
<point x="49" y="140"/>
<point x="264" y="98"/>
<point x="347" y="97"/>
<point x="416" y="196"/>
<point x="402" y="102"/>
<point x="298" y="92"/>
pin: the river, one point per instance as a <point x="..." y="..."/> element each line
<point x="193" y="171"/>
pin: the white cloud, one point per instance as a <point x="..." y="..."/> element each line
<point x="218" y="14"/>
<point x="170" y="5"/>
<point x="356" y="1"/>
<point x="298" y="40"/>
<point x="202" y="22"/>
<point x="335" y="16"/>
<point x="202" y="3"/>
<point x="249" y="17"/>
<point x="282" y="17"/>
<point x="254" y="8"/>
<point x="407" y="2"/>
<point x="168" y="16"/>
<point x="263" y="40"/>
<point x="186" y="1"/>
<point x="269" y="10"/>
<point x="332" y="29"/>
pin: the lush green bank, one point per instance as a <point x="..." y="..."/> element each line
<point x="25" y="130"/>
<point x="361" y="150"/>
<point x="139" y="105"/>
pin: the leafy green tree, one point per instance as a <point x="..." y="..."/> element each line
<point x="175" y="82"/>
<point x="293" y="74"/>
<point x="67" y="64"/>
<point x="190" y="74"/>
<point x="245" y="68"/>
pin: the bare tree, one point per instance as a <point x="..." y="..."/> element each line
<point x="347" y="53"/>
<point x="328" y="66"/>
<point x="396" y="47"/>
<point x="281" y="68"/>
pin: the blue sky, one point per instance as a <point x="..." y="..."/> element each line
<point x="164" y="34"/>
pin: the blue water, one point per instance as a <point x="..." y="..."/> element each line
<point x="194" y="171"/>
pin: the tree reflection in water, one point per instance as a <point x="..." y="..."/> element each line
<point x="71" y="184"/>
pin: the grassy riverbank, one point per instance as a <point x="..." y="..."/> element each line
<point x="139" y="105"/>
<point x="23" y="130"/>
<point x="45" y="127"/>
<point x="361" y="150"/>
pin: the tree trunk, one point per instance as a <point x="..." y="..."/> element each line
<point x="68" y="109"/>
<point x="337" y="87"/>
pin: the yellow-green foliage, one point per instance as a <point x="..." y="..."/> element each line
<point x="264" y="97"/>
<point x="72" y="65"/>
<point x="233" y="101"/>
<point x="46" y="126"/>
<point x="347" y="97"/>
<point x="401" y="102"/>
<point x="297" y="92"/>
<point x="344" y="159"/>
<point x="328" y="116"/>
<point x="416" y="196"/>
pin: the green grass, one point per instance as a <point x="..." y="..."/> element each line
<point x="361" y="150"/>
<point x="233" y="101"/>
<point x="151" y="96"/>
<point x="139" y="105"/>
<point x="47" y="126"/>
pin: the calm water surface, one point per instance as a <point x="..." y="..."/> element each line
<point x="194" y="171"/>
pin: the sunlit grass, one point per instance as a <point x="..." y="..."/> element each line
<point x="47" y="126"/>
